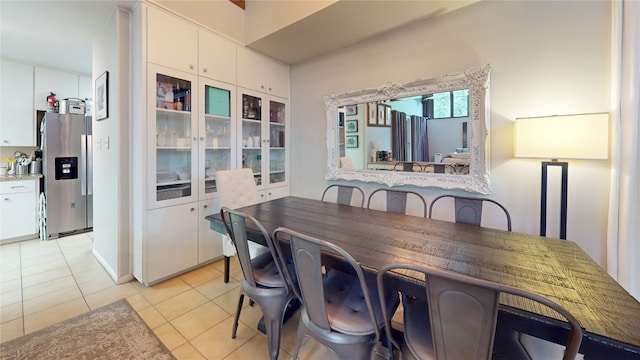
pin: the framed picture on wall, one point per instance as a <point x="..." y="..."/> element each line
<point x="352" y="126"/>
<point x="387" y="119"/>
<point x="352" y="141"/>
<point x="102" y="96"/>
<point x="372" y="114"/>
<point x="382" y="114"/>
<point x="351" y="110"/>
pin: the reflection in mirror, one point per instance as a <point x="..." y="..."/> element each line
<point x="424" y="133"/>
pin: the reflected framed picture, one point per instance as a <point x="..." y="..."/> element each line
<point x="352" y="141"/>
<point x="351" y="110"/>
<point x="102" y="96"/>
<point x="382" y="114"/>
<point x="372" y="114"/>
<point x="352" y="126"/>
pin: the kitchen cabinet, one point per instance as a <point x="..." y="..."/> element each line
<point x="171" y="242"/>
<point x="263" y="128"/>
<point x="171" y="41"/>
<point x="18" y="203"/>
<point x="172" y="137"/>
<point x="258" y="72"/>
<point x="217" y="133"/>
<point x="209" y="241"/>
<point x="63" y="84"/>
<point x="17" y="118"/>
<point x="216" y="57"/>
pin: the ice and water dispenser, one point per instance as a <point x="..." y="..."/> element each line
<point x="66" y="168"/>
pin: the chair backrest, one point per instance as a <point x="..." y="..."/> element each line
<point x="406" y="166"/>
<point x="468" y="210"/>
<point x="236" y="188"/>
<point x="307" y="258"/>
<point x="397" y="200"/>
<point x="345" y="194"/>
<point x="346" y="162"/>
<point x="463" y="312"/>
<point x="439" y="168"/>
<point x="236" y="224"/>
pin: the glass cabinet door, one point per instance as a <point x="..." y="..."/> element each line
<point x="276" y="133"/>
<point x="251" y="134"/>
<point x="172" y="138"/>
<point x="217" y="132"/>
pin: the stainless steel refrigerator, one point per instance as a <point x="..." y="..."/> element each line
<point x="68" y="173"/>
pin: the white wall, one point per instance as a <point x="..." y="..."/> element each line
<point x="111" y="163"/>
<point x="547" y="58"/>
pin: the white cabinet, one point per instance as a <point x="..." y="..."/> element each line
<point x="263" y="128"/>
<point x="18" y="202"/>
<point x="17" y="117"/>
<point x="209" y="241"/>
<point x="258" y="72"/>
<point x="172" y="137"/>
<point x="216" y="133"/>
<point x="216" y="57"/>
<point x="171" y="242"/>
<point x="171" y="41"/>
<point x="274" y="192"/>
<point x="63" y="84"/>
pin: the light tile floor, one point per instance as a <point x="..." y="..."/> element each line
<point x="44" y="283"/>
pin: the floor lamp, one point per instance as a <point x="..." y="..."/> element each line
<point x="583" y="136"/>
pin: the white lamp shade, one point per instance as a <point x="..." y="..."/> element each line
<point x="562" y="137"/>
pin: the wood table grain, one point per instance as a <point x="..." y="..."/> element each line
<point x="556" y="269"/>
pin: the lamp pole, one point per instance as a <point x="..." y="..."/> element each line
<point x="563" y="198"/>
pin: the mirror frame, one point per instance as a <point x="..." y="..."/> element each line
<point x="475" y="79"/>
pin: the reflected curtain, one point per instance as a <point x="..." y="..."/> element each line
<point x="623" y="233"/>
<point x="399" y="135"/>
<point x="419" y="139"/>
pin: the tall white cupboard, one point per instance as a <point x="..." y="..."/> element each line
<point x="188" y="126"/>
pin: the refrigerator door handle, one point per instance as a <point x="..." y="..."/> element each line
<point x="83" y="165"/>
<point x="89" y="164"/>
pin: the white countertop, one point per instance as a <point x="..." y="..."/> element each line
<point x="20" y="177"/>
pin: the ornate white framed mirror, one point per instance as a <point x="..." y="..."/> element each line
<point x="425" y="133"/>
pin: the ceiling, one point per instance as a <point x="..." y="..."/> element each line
<point x="54" y="33"/>
<point x="59" y="33"/>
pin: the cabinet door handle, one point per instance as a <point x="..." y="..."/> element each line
<point x="269" y="89"/>
<point x="206" y="206"/>
<point x="6" y="199"/>
<point x="191" y="66"/>
<point x="195" y="138"/>
<point x="18" y="187"/>
<point x="261" y="86"/>
<point x="193" y="209"/>
<point x="201" y="138"/>
<point x="204" y="70"/>
<point x="5" y="141"/>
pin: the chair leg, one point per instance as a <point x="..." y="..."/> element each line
<point x="235" y="322"/>
<point x="299" y="337"/>
<point x="273" y="314"/>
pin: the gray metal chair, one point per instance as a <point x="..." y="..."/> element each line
<point x="345" y="194"/>
<point x="340" y="310"/>
<point x="468" y="210"/>
<point x="264" y="280"/>
<point x="460" y="319"/>
<point x="396" y="201"/>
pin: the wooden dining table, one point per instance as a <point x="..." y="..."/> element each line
<point x="557" y="269"/>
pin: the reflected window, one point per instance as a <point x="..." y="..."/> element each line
<point x="448" y="104"/>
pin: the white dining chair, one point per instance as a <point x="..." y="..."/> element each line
<point x="237" y="188"/>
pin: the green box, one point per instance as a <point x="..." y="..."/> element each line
<point x="218" y="102"/>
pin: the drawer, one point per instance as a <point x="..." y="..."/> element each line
<point x="17" y="186"/>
